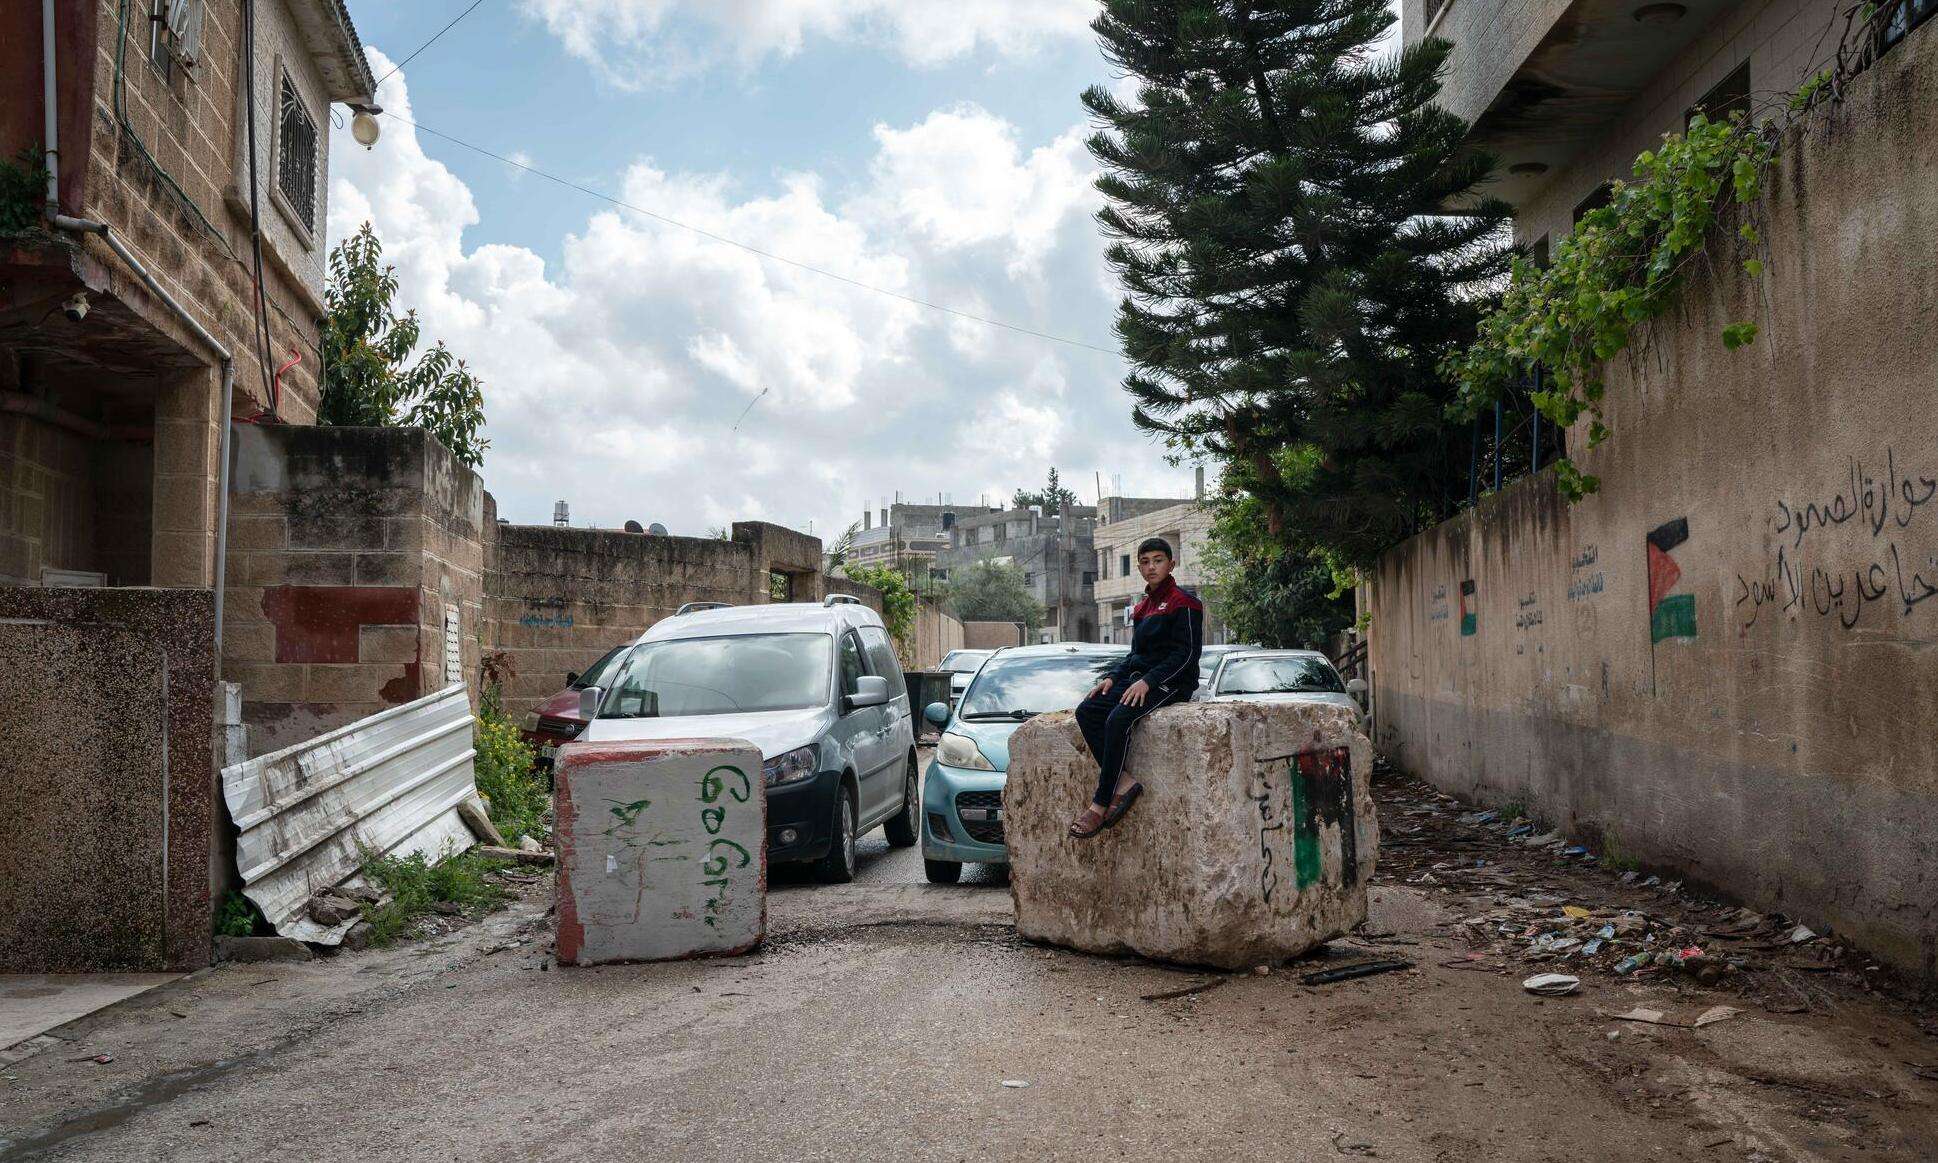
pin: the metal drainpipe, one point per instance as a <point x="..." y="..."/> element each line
<point x="87" y="226"/>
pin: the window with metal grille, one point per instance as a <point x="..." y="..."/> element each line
<point x="296" y="156"/>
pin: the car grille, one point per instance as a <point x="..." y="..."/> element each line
<point x="983" y="830"/>
<point x="566" y="728"/>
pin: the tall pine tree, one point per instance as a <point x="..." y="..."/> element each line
<point x="1278" y="203"/>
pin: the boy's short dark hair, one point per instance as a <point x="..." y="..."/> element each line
<point x="1156" y="545"/>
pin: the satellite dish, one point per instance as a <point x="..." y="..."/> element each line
<point x="633" y="527"/>
<point x="656" y="529"/>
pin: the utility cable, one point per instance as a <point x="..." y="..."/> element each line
<point x="420" y="48"/>
<point x="754" y="250"/>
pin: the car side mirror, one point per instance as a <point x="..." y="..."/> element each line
<point x="1356" y="687"/>
<point x="871" y="690"/>
<point x="571" y="676"/>
<point x="589" y="700"/>
<point x="937" y="713"/>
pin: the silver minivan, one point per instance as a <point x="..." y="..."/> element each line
<point x="815" y="686"/>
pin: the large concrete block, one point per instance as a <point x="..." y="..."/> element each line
<point x="1253" y="842"/>
<point x="662" y="850"/>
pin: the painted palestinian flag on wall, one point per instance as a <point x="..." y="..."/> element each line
<point x="1469" y="609"/>
<point x="1671" y="614"/>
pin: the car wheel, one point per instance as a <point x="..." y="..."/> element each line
<point x="838" y="866"/>
<point x="942" y="871"/>
<point x="905" y="828"/>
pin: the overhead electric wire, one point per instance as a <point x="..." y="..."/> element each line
<point x="420" y="48"/>
<point x="754" y="250"/>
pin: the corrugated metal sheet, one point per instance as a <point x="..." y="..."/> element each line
<point x="391" y="782"/>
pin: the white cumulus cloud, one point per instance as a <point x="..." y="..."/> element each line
<point x="614" y="377"/>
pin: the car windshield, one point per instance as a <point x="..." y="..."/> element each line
<point x="1268" y="676"/>
<point x="722" y="676"/>
<point x="962" y="661"/>
<point x="602" y="670"/>
<point x="1016" y="688"/>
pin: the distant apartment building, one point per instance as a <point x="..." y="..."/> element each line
<point x="1566" y="94"/>
<point x="1054" y="553"/>
<point x="1125" y="522"/>
<point x="907" y="536"/>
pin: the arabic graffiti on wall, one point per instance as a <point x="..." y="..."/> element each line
<point x="1437" y="605"/>
<point x="1585" y="580"/>
<point x="1887" y="576"/>
<point x="547" y="612"/>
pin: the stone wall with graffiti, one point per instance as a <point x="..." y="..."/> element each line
<point x="1724" y="663"/>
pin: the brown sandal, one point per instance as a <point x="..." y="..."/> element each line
<point x="1077" y="829"/>
<point x="1122" y="805"/>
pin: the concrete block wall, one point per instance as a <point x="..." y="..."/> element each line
<point x="345" y="547"/>
<point x="1719" y="665"/>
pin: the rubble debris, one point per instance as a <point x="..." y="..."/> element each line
<point x="1714" y="1014"/>
<point x="1552" y="984"/>
<point x="472" y="811"/>
<point x="1187" y="991"/>
<point x="1355" y="970"/>
<point x="1015" y="1083"/>
<point x="331" y="910"/>
<point x="516" y="855"/>
<point x="1646" y="1016"/>
<point x="527" y="844"/>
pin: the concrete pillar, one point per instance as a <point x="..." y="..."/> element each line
<point x="662" y="850"/>
<point x="1253" y="841"/>
<point x="187" y="441"/>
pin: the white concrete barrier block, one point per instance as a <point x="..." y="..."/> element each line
<point x="662" y="850"/>
<point x="1253" y="842"/>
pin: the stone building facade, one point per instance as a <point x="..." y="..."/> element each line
<point x="110" y="420"/>
<point x="1126" y="522"/>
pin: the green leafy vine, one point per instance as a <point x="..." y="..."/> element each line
<point x="1620" y="268"/>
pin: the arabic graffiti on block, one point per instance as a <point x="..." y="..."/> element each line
<point x="1885" y="571"/>
<point x="724" y="857"/>
<point x="1316" y="794"/>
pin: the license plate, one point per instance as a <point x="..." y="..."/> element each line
<point x="989" y="814"/>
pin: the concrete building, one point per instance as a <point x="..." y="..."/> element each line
<point x="1708" y="666"/>
<point x="111" y="399"/>
<point x="1123" y="523"/>
<point x="906" y="536"/>
<point x="1054" y="553"/>
<point x="1565" y="93"/>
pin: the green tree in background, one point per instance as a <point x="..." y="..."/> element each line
<point x="1052" y="497"/>
<point x="1278" y="198"/>
<point x="899" y="604"/>
<point x="993" y="591"/>
<point x="365" y="348"/>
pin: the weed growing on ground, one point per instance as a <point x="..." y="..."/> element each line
<point x="414" y="886"/>
<point x="236" y="917"/>
<point x="506" y="778"/>
<point x="1513" y="810"/>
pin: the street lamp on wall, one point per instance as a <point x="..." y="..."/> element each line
<point x="364" y="126"/>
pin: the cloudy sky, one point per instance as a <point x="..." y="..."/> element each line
<point x="931" y="149"/>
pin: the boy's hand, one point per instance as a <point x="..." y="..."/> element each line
<point x="1134" y="695"/>
<point x="1102" y="688"/>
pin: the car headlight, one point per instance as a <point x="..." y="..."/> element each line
<point x="792" y="767"/>
<point x="961" y="751"/>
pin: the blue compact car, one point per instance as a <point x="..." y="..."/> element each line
<point x="962" y="796"/>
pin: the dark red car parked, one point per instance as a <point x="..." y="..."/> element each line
<point x="557" y="719"/>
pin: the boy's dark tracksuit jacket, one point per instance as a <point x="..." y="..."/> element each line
<point x="1168" y="631"/>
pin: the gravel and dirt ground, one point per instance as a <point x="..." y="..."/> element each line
<point x="891" y="1019"/>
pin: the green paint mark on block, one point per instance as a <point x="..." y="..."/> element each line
<point x="1305" y="829"/>
<point x="1468" y="624"/>
<point x="1674" y="617"/>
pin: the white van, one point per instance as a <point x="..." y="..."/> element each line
<point x="814" y="685"/>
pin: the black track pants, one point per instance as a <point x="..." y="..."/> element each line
<point x="1106" y="725"/>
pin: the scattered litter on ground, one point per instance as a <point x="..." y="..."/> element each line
<point x="1015" y="1083"/>
<point x="1187" y="991"/>
<point x="1714" y="1014"/>
<point x="1357" y="969"/>
<point x="1647" y="1016"/>
<point x="1552" y="984"/>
